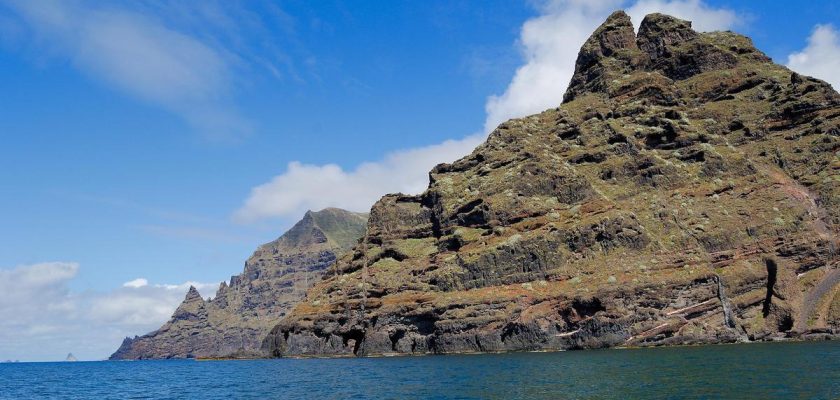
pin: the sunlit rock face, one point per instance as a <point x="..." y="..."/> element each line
<point x="686" y="191"/>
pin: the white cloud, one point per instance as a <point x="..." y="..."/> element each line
<point x="41" y="318"/>
<point x="139" y="55"/>
<point x="136" y="283"/>
<point x="18" y="285"/>
<point x="821" y="58"/>
<point x="143" y="308"/>
<point x="703" y="17"/>
<point x="313" y="187"/>
<point x="549" y="45"/>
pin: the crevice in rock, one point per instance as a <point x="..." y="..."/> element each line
<point x="617" y="138"/>
<point x="430" y="201"/>
<point x="662" y="140"/>
<point x="772" y="269"/>
<point x="473" y="213"/>
<point x="451" y="244"/>
<point x="588" y="158"/>
<point x="693" y="156"/>
<point x="388" y="253"/>
<point x="569" y="133"/>
<point x="724" y="301"/>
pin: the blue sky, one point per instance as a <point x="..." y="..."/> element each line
<point x="166" y="140"/>
<point x="124" y="186"/>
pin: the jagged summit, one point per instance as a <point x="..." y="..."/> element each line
<point x="609" y="51"/>
<point x="665" y="44"/>
<point x="192" y="295"/>
<point x="659" y="32"/>
<point x="331" y="229"/>
<point x="332" y="226"/>
<point x="686" y="191"/>
<point x="192" y="308"/>
<point x="276" y="276"/>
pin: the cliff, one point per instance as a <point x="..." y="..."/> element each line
<point x="276" y="276"/>
<point x="686" y="191"/>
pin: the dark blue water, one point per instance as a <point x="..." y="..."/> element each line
<point x="772" y="370"/>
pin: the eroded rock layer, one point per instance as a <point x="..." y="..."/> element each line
<point x="276" y="276"/>
<point x="686" y="191"/>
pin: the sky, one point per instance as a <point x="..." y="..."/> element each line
<point x="147" y="146"/>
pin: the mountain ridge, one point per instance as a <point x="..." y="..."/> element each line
<point x="685" y="191"/>
<point x="275" y="277"/>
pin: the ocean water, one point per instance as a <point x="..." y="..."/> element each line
<point x="759" y="371"/>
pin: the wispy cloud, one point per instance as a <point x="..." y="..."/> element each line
<point x="192" y="233"/>
<point x="821" y="57"/>
<point x="41" y="318"/>
<point x="141" y="52"/>
<point x="122" y="204"/>
<point x="549" y="45"/>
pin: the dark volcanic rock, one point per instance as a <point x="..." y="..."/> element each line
<point x="276" y="277"/>
<point x="686" y="191"/>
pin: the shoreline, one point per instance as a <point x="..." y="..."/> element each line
<point x="803" y="338"/>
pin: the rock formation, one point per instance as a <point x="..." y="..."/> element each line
<point x="276" y="276"/>
<point x="686" y="191"/>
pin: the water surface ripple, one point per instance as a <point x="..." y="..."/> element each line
<point x="761" y="371"/>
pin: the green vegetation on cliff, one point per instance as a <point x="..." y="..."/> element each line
<point x="686" y="191"/>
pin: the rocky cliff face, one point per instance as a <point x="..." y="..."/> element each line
<point x="686" y="191"/>
<point x="234" y="323"/>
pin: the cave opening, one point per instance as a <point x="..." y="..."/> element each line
<point x="785" y="323"/>
<point x="357" y="336"/>
<point x="395" y="338"/>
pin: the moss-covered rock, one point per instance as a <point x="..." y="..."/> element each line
<point x="678" y="195"/>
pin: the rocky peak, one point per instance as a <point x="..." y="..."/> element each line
<point x="658" y="32"/>
<point x="223" y="288"/>
<point x="190" y="306"/>
<point x="304" y="233"/>
<point x="332" y="226"/>
<point x="193" y="295"/>
<point x="665" y="45"/>
<point x="329" y="230"/>
<point x="609" y="44"/>
<point x="614" y="34"/>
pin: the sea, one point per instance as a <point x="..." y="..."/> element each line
<point x="788" y="370"/>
